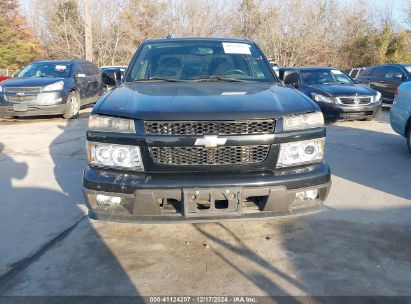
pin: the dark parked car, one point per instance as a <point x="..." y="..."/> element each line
<point x="335" y="93"/>
<point x="202" y="129"/>
<point x="51" y="87"/>
<point x="386" y="79"/>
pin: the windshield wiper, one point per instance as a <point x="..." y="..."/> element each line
<point x="217" y="78"/>
<point x="155" y="79"/>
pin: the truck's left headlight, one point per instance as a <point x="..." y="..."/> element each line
<point x="114" y="156"/>
<point x="301" y="152"/>
<point x="57" y="86"/>
<point x="111" y="124"/>
<point x="303" y="121"/>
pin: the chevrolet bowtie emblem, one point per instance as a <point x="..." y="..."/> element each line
<point x="210" y="141"/>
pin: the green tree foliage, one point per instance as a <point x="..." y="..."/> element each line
<point x="18" y="46"/>
<point x="377" y="47"/>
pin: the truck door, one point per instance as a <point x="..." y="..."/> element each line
<point x="393" y="80"/>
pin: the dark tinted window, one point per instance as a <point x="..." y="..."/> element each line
<point x="380" y="71"/>
<point x="354" y="73"/>
<point x="394" y="71"/>
<point x="90" y="69"/>
<point x="368" y="71"/>
<point x="79" y="69"/>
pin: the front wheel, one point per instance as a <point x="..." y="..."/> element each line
<point x="73" y="106"/>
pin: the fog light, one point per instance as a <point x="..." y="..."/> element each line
<point x="106" y="200"/>
<point x="311" y="194"/>
<point x="307" y="195"/>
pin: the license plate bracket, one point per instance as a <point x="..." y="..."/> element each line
<point x="212" y="202"/>
<point x="20" y="107"/>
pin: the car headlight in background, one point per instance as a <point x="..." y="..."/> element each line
<point x="57" y="86"/>
<point x="111" y="124"/>
<point x="301" y="152"/>
<point x="377" y="97"/>
<point x="322" y="98"/>
<point x="114" y="156"/>
<point x="303" y="121"/>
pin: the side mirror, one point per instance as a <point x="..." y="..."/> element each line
<point x="111" y="77"/>
<point x="293" y="84"/>
<point x="357" y="81"/>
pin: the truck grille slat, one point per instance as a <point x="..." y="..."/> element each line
<point x="197" y="156"/>
<point x="209" y="127"/>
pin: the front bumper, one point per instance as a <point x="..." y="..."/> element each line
<point x="334" y="112"/>
<point x="182" y="197"/>
<point x="46" y="103"/>
<point x="32" y="110"/>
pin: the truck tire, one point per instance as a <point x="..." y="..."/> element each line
<point x="73" y="106"/>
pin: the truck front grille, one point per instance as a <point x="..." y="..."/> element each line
<point x="209" y="127"/>
<point x="197" y="156"/>
<point x="355" y="100"/>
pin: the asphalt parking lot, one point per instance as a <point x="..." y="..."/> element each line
<point x="360" y="244"/>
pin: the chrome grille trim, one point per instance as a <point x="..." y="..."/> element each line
<point x="244" y="127"/>
<point x="28" y="90"/>
<point x="200" y="156"/>
<point x="22" y="98"/>
<point x="354" y="100"/>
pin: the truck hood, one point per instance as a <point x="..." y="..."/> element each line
<point x="341" y="89"/>
<point x="30" y="81"/>
<point x="203" y="101"/>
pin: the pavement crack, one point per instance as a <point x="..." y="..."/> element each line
<point x="24" y="263"/>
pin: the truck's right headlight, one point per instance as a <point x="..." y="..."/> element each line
<point x="303" y="121"/>
<point x="301" y="152"/>
<point x="114" y="156"/>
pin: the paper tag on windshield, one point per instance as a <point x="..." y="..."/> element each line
<point x="60" y="67"/>
<point x="336" y="72"/>
<point x="236" y="48"/>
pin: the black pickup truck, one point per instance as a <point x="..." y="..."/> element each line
<point x="201" y="129"/>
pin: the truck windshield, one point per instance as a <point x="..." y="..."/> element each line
<point x="325" y="76"/>
<point x="46" y="69"/>
<point x="200" y="61"/>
